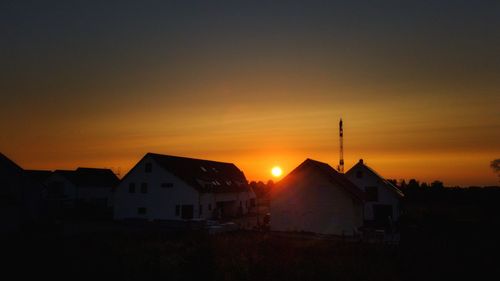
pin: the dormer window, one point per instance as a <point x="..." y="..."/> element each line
<point x="148" y="167"/>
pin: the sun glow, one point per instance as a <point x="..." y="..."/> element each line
<point x="276" y="171"/>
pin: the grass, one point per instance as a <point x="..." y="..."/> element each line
<point x="434" y="250"/>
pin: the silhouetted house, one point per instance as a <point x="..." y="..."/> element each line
<point x="162" y="187"/>
<point x="11" y="181"/>
<point x="382" y="204"/>
<point x="84" y="186"/>
<point x="35" y="197"/>
<point x="21" y="197"/>
<point x="316" y="198"/>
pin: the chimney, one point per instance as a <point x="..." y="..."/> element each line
<point x="360" y="161"/>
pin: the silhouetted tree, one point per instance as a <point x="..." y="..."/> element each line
<point x="437" y="185"/>
<point x="402" y="184"/>
<point x="260" y="188"/>
<point x="413" y="184"/>
<point x="424" y="186"/>
<point x="495" y="165"/>
<point x="393" y="181"/>
<point x="270" y="184"/>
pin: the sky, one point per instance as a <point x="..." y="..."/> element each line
<point x="256" y="83"/>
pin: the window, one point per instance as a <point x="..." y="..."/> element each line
<point x="144" y="187"/>
<point x="187" y="212"/>
<point x="141" y="211"/>
<point x="167" y="185"/>
<point x="131" y="187"/>
<point x="359" y="174"/>
<point x="371" y="193"/>
<point x="177" y="210"/>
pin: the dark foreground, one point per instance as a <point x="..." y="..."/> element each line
<point x="429" y="252"/>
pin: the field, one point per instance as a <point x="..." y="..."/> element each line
<point x="428" y="252"/>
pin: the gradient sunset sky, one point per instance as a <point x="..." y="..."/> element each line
<point x="259" y="84"/>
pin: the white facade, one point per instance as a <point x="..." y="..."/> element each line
<point x="158" y="194"/>
<point x="383" y="199"/>
<point x="308" y="200"/>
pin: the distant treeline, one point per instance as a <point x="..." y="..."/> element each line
<point x="436" y="203"/>
<point x="433" y="201"/>
<point x="414" y="189"/>
<point x="262" y="189"/>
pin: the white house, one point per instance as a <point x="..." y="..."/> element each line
<point x="162" y="187"/>
<point x="91" y="186"/>
<point x="316" y="198"/>
<point x="382" y="204"/>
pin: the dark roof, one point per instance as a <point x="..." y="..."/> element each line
<point x="92" y="177"/>
<point x="6" y="163"/>
<point x="330" y="173"/>
<point x="387" y="183"/>
<point x="204" y="175"/>
<point x="38" y="175"/>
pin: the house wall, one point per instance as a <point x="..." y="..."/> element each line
<point x="385" y="195"/>
<point x="236" y="203"/>
<point x="20" y="199"/>
<point x="70" y="191"/>
<point x="96" y="195"/>
<point x="307" y="201"/>
<point x="159" y="201"/>
<point x="11" y="182"/>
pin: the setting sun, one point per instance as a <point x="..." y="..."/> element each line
<point x="276" y="171"/>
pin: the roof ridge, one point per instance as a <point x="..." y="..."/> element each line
<point x="186" y="158"/>
<point x="10" y="161"/>
<point x="393" y="187"/>
<point x="333" y="175"/>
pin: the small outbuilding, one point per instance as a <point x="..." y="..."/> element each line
<point x="87" y="186"/>
<point x="382" y="206"/>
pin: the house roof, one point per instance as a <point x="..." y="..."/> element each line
<point x="332" y="175"/>
<point x="389" y="185"/>
<point x="204" y="175"/>
<point x="38" y="175"/>
<point x="6" y="163"/>
<point x="92" y="177"/>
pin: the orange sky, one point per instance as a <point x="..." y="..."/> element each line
<point x="257" y="84"/>
<point x="453" y="144"/>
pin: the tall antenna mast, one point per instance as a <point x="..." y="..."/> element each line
<point x="341" y="135"/>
